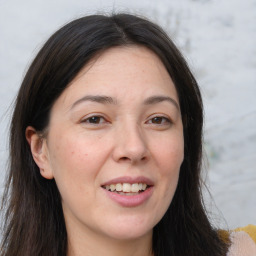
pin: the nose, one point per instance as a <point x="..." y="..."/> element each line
<point x="130" y="145"/>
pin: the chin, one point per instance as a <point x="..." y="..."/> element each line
<point x="129" y="230"/>
<point x="125" y="234"/>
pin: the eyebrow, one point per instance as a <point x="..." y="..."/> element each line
<point x="160" y="98"/>
<point x="95" y="98"/>
<point x="109" y="100"/>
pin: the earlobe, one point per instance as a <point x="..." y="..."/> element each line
<point x="39" y="152"/>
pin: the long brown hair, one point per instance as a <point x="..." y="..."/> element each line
<point x="34" y="222"/>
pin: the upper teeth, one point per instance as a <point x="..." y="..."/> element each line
<point x="126" y="187"/>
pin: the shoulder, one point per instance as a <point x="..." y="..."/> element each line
<point x="242" y="241"/>
<point x="250" y="230"/>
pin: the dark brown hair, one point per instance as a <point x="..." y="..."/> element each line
<point x="34" y="222"/>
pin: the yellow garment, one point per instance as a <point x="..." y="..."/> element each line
<point x="242" y="241"/>
<point x="250" y="230"/>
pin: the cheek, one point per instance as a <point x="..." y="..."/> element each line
<point x="67" y="149"/>
<point x="75" y="166"/>
<point x="77" y="155"/>
<point x="170" y="155"/>
<point x="169" y="158"/>
<point x="68" y="153"/>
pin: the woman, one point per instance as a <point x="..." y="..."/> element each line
<point x="105" y="147"/>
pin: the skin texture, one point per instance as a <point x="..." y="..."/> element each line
<point x="89" y="143"/>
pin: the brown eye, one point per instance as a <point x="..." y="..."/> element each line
<point x="94" y="120"/>
<point x="159" y="120"/>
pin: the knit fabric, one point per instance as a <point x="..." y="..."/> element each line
<point x="243" y="241"/>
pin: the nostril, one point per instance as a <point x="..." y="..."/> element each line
<point x="124" y="158"/>
<point x="143" y="158"/>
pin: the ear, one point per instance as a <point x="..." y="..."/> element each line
<point x="39" y="150"/>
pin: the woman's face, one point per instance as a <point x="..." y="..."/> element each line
<point x="115" y="145"/>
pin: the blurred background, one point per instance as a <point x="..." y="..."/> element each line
<point x="218" y="39"/>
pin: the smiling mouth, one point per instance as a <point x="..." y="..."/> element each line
<point x="127" y="189"/>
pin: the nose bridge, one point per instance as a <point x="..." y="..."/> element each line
<point x="131" y="142"/>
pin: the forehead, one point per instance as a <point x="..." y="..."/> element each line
<point x="122" y="71"/>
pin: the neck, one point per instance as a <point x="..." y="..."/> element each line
<point x="96" y="245"/>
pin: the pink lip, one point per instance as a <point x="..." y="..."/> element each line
<point x="130" y="201"/>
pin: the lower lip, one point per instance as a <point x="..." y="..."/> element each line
<point x="130" y="201"/>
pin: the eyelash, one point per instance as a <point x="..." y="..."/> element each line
<point x="99" y="120"/>
<point x="166" y="120"/>
<point x="96" y="118"/>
